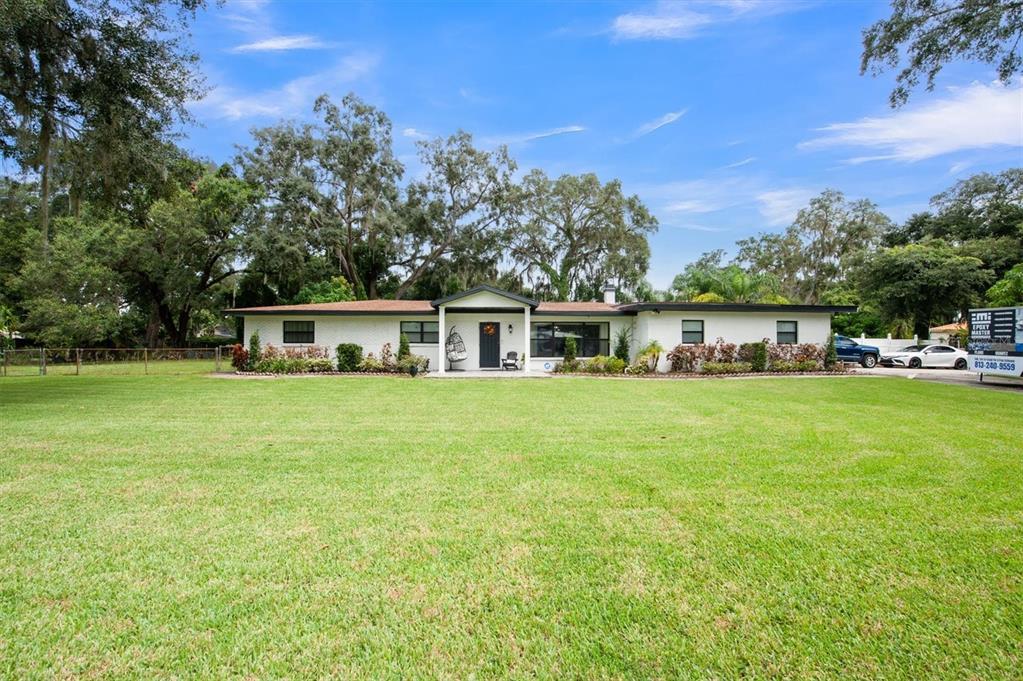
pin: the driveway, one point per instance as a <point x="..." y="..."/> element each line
<point x="951" y="376"/>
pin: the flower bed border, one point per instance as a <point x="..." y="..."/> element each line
<point x="699" y="374"/>
<point x="330" y="373"/>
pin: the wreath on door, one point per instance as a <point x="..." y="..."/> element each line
<point x="489" y="329"/>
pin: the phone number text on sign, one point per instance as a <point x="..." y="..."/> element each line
<point x="996" y="365"/>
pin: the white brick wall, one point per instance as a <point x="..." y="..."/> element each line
<point x="734" y="327"/>
<point x="371" y="332"/>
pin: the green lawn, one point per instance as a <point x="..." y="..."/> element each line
<point x="192" y="526"/>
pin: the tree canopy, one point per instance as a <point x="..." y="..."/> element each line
<point x="574" y="233"/>
<point x="922" y="36"/>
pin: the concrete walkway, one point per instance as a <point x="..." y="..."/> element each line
<point x="950" y="376"/>
<point x="489" y="373"/>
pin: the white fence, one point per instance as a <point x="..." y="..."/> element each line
<point x="889" y="344"/>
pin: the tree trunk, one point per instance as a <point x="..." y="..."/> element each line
<point x="45" y="138"/>
<point x="152" y="335"/>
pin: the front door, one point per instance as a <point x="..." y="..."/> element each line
<point x="490" y="345"/>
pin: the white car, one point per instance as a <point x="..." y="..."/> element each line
<point x="926" y="356"/>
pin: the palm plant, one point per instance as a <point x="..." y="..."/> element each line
<point x="733" y="284"/>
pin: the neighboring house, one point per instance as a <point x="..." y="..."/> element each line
<point x="947" y="333"/>
<point x="493" y="323"/>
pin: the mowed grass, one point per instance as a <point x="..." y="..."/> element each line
<point x="192" y="526"/>
<point x="29" y="367"/>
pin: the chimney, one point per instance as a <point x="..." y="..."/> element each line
<point x="609" y="293"/>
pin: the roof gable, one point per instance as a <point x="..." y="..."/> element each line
<point x="483" y="288"/>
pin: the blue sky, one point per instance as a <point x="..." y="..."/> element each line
<point x="725" y="117"/>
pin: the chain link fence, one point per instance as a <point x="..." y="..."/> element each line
<point x="112" y="361"/>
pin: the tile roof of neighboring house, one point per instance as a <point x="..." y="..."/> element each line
<point x="954" y="326"/>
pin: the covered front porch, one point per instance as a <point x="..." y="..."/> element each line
<point x="482" y="331"/>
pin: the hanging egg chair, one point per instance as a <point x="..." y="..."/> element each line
<point x="454" y="346"/>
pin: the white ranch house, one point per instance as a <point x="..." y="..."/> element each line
<point x="492" y="323"/>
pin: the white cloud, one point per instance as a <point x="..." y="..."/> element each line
<point x="414" y="134"/>
<point x="681" y="23"/>
<point x="959" y="167"/>
<point x="253" y="19"/>
<point x="691" y="206"/>
<point x="975" y="117"/>
<point x="678" y="21"/>
<point x="554" y="132"/>
<point x="294" y="98"/>
<point x="779" y="206"/>
<point x="664" y="120"/>
<point x="739" y="164"/>
<point x="531" y="136"/>
<point x="282" y="43"/>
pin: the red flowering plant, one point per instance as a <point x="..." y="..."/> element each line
<point x="239" y="357"/>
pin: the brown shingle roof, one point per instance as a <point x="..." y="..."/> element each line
<point x="410" y="307"/>
<point x="364" y="306"/>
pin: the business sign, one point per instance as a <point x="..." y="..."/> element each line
<point x="998" y="365"/>
<point x="998" y="329"/>
<point x="996" y="341"/>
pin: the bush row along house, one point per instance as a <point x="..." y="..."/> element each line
<point x="492" y="323"/>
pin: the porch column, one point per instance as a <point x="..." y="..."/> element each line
<point x="525" y="341"/>
<point x="442" y="335"/>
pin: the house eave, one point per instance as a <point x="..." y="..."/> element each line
<point x="735" y="307"/>
<point x="329" y="313"/>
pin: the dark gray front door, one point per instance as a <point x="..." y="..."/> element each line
<point x="490" y="345"/>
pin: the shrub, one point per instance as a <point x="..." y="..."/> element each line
<point x="622" y="344"/>
<point x="280" y="364"/>
<point x="725" y="352"/>
<point x="615" y="365"/>
<point x="208" y="342"/>
<point x="239" y="357"/>
<point x="595" y="365"/>
<point x="786" y="354"/>
<point x="830" y="354"/>
<point x="746" y="352"/>
<point x="790" y="365"/>
<point x="320" y="365"/>
<point x="567" y="367"/>
<point x="651" y="355"/>
<point x="685" y="358"/>
<point x="348" y="356"/>
<point x="255" y="351"/>
<point x="638" y="368"/>
<point x="403" y="347"/>
<point x="570" y="350"/>
<point x="727" y="367"/>
<point x="406" y="363"/>
<point x="371" y="363"/>
<point x="759" y="359"/>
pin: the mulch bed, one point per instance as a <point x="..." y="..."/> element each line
<point x="692" y="375"/>
<point x="257" y="374"/>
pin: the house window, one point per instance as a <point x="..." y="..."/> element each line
<point x="788" y="332"/>
<point x="591" y="339"/>
<point x="299" y="332"/>
<point x="420" y="332"/>
<point x="692" y="330"/>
